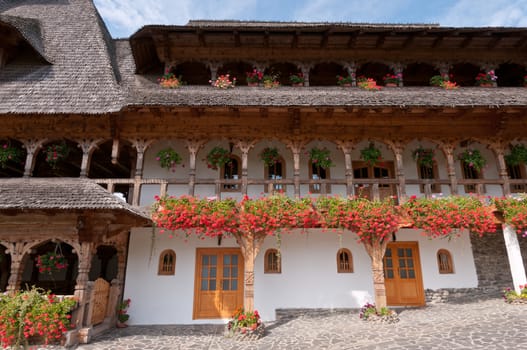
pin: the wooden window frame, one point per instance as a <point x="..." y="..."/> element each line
<point x="162" y="270"/>
<point x="445" y="266"/>
<point x="520" y="168"/>
<point x="266" y="176"/>
<point x="268" y="268"/>
<point x="341" y="266"/>
<point x="313" y="187"/>
<point x="435" y="188"/>
<point x="465" y="169"/>
<point x="232" y="188"/>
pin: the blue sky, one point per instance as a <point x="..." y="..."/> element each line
<point x="124" y="17"/>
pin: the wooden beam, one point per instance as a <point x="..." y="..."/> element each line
<point x="521" y="42"/>
<point x="466" y="42"/>
<point x="236" y="36"/>
<point x="266" y="39"/>
<point x="353" y="39"/>
<point x="294" y="43"/>
<point x="201" y="37"/>
<point x="325" y="38"/>
<point x="494" y="42"/>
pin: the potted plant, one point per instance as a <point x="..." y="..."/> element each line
<point x="473" y="158"/>
<point x="320" y="157"/>
<point x="369" y="312"/>
<point x="245" y="325"/>
<point x="517" y="156"/>
<point x="51" y="262"/>
<point x="392" y="80"/>
<point x="344" y="81"/>
<point x="487" y="79"/>
<point x="224" y="81"/>
<point x="218" y="157"/>
<point x="170" y="81"/>
<point x="9" y="153"/>
<point x="270" y="156"/>
<point x="57" y="152"/>
<point x="371" y="154"/>
<point x="297" y="79"/>
<point x="368" y="84"/>
<point x="254" y="78"/>
<point x="168" y="159"/>
<point x="122" y="315"/>
<point x="424" y="156"/>
<point x="270" y="81"/>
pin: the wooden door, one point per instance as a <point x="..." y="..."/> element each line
<point x="218" y="288"/>
<point x="382" y="170"/>
<point x="402" y="274"/>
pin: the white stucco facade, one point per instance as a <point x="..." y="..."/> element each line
<point x="309" y="277"/>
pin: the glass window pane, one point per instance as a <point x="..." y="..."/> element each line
<point x="234" y="271"/>
<point x="226" y="260"/>
<point x="408" y="251"/>
<point x="204" y="272"/>
<point x="213" y="260"/>
<point x="402" y="263"/>
<point x="411" y="273"/>
<point x="204" y="285"/>
<point x="389" y="263"/>
<point x="234" y="285"/>
<point x="389" y="274"/>
<point x="226" y="284"/>
<point x="205" y="259"/>
<point x="388" y="252"/>
<point x="235" y="259"/>
<point x="212" y="285"/>
<point x="213" y="272"/>
<point x="402" y="273"/>
<point x="400" y="252"/>
<point x="226" y="271"/>
<point x="410" y="263"/>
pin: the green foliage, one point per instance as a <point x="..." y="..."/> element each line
<point x="320" y="157"/>
<point x="512" y="296"/>
<point x="56" y="153"/>
<point x="473" y="158"/>
<point x="168" y="158"/>
<point x="8" y="154"/>
<point x="517" y="156"/>
<point x="514" y="212"/>
<point x="33" y="316"/>
<point x="424" y="156"/>
<point x="244" y="320"/>
<point x="439" y="80"/>
<point x="218" y="157"/>
<point x="122" y="309"/>
<point x="270" y="156"/>
<point x="371" y="154"/>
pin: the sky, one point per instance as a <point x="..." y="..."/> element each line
<point x="125" y="17"/>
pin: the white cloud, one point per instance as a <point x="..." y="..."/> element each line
<point x="508" y="13"/>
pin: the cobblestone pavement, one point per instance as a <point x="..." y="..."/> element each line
<point x="490" y="324"/>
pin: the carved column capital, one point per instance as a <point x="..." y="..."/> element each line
<point x="32" y="147"/>
<point x="87" y="146"/>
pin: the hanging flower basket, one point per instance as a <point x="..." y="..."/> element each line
<point x="320" y="157"/>
<point x="473" y="158"/>
<point x="218" y="157"/>
<point x="424" y="157"/>
<point x="168" y="159"/>
<point x="56" y="153"/>
<point x="517" y="156"/>
<point x="51" y="261"/>
<point x="371" y="154"/>
<point x="270" y="156"/>
<point x="8" y="154"/>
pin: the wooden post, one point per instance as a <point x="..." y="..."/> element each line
<point x="244" y="147"/>
<point x="16" y="251"/>
<point x="351" y="68"/>
<point x="346" y="147"/>
<point x="87" y="147"/>
<point x="376" y="250"/>
<point x="32" y="147"/>
<point x="250" y="244"/>
<point x="499" y="151"/>
<point x="448" y="150"/>
<point x="515" y="257"/>
<point x="296" y="148"/>
<point x="398" y="148"/>
<point x="193" y="147"/>
<point x="141" y="146"/>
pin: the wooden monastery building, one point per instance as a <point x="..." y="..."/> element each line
<point x="86" y="117"/>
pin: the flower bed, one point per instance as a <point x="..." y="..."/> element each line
<point x="512" y="297"/>
<point x="245" y="326"/>
<point x="370" y="314"/>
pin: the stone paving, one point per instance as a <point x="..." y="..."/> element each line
<point x="489" y="324"/>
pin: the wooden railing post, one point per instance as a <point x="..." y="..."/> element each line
<point x="346" y="147"/>
<point x="448" y="149"/>
<point x="296" y="148"/>
<point x="193" y="147"/>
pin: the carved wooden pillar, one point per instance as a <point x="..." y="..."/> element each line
<point x="448" y="150"/>
<point x="444" y="69"/>
<point x="245" y="146"/>
<point x="87" y="147"/>
<point x="115" y="150"/>
<point x="213" y="66"/>
<point x="85" y="254"/>
<point x="193" y="147"/>
<point x="398" y="148"/>
<point x="351" y="68"/>
<point x="499" y="151"/>
<point x="304" y="67"/>
<point x="32" y="147"/>
<point x="141" y="146"/>
<point x="398" y="69"/>
<point x="17" y="251"/>
<point x="296" y="147"/>
<point x="346" y="147"/>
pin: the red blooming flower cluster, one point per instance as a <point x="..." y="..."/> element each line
<point x="50" y="262"/>
<point x="515" y="213"/>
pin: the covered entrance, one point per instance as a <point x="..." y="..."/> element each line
<point x="402" y="274"/>
<point x="218" y="288"/>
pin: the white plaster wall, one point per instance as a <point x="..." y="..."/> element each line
<point x="309" y="277"/>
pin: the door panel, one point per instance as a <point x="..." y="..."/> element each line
<point x="218" y="288"/>
<point x="402" y="274"/>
